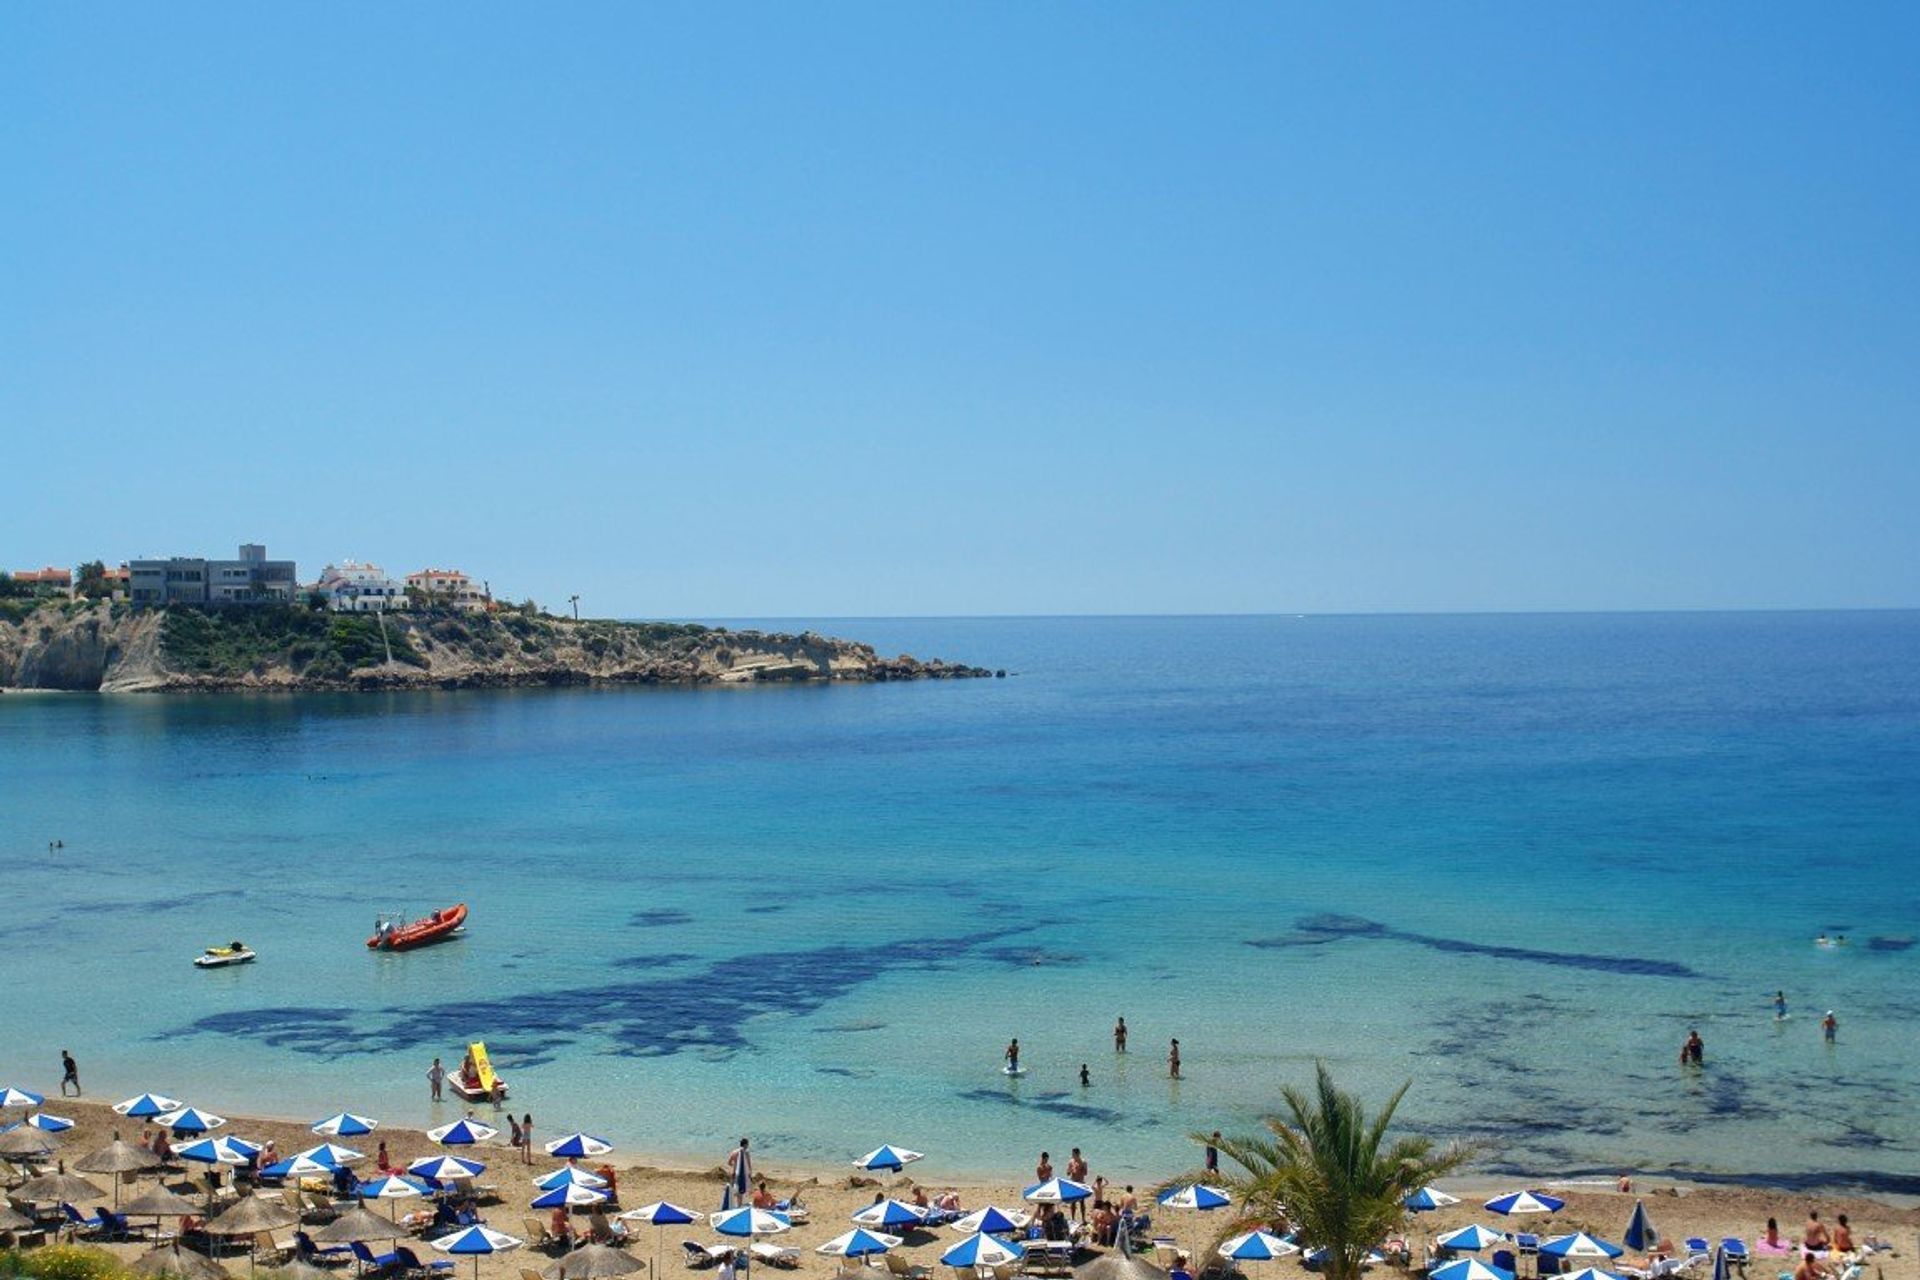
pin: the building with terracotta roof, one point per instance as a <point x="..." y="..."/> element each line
<point x="448" y="588"/>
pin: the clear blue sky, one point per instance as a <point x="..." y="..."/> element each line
<point x="845" y="309"/>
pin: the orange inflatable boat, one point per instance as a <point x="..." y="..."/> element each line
<point x="397" y="935"/>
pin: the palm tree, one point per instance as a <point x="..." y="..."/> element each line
<point x="1326" y="1168"/>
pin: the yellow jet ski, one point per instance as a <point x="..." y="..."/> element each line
<point x="236" y="952"/>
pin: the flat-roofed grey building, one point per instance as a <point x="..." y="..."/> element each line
<point x="251" y="579"/>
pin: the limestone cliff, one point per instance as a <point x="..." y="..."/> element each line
<point x="82" y="646"/>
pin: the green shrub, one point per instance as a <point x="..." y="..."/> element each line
<point x="70" y="1262"/>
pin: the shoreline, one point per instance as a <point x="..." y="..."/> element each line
<point x="685" y="1165"/>
<point x="832" y="1195"/>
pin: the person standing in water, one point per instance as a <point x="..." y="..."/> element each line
<point x="1829" y="1027"/>
<point x="1086" y="1077"/>
<point x="1779" y="1006"/>
<point x="1693" y="1052"/>
<point x="1013" y="1056"/>
<point x="436" y="1076"/>
<point x="1173" y="1060"/>
<point x="1120" y="1035"/>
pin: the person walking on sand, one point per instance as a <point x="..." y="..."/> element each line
<point x="70" y="1073"/>
<point x="436" y="1075"/>
<point x="1013" y="1056"/>
<point x="526" y="1138"/>
<point x="1119" y="1035"/>
<point x="1173" y="1060"/>
<point x="1213" y="1154"/>
<point x="1829" y="1028"/>
<point x="740" y="1171"/>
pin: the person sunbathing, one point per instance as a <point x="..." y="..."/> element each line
<point x="1771" y="1236"/>
<point x="1809" y="1268"/>
<point x="1815" y="1236"/>
<point x="764" y="1198"/>
<point x="1843" y="1236"/>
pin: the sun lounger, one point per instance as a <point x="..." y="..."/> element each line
<point x="775" y="1255"/>
<point x="273" y="1247"/>
<point x="372" y="1260"/>
<point x="538" y="1237"/>
<point x="901" y="1267"/>
<point x="797" y="1213"/>
<point x="699" y="1255"/>
<point x="410" y="1262"/>
<point x="528" y="1273"/>
<point x="319" y="1255"/>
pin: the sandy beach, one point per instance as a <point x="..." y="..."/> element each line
<point x="832" y="1196"/>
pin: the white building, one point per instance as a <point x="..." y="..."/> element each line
<point x="353" y="586"/>
<point x="449" y="588"/>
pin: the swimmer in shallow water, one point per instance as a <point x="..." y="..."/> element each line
<point x="1779" y="1006"/>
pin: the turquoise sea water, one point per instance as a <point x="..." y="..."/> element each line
<point x="1512" y="858"/>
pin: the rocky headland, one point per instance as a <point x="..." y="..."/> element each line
<point x="114" y="648"/>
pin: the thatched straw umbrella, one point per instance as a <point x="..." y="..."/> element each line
<point x="116" y="1158"/>
<point x="26" y="1142"/>
<point x="13" y="1220"/>
<point x="299" y="1269"/>
<point x="173" y="1260"/>
<point x="57" y="1186"/>
<point x="594" y="1262"/>
<point x="160" y="1202"/>
<point x="357" y="1226"/>
<point x="251" y="1215"/>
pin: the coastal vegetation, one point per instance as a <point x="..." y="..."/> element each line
<point x="1326" y="1168"/>
<point x="63" y="1262"/>
<point x="80" y="644"/>
<point x="240" y="642"/>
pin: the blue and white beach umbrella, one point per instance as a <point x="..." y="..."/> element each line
<point x="1516" y="1202"/>
<point x="569" y="1196"/>
<point x="298" y="1167"/>
<point x="887" y="1159"/>
<point x="992" y="1221"/>
<point x="1427" y="1198"/>
<point x="345" y="1124"/>
<point x="1056" y="1191"/>
<point x="569" y="1176"/>
<point x="446" y="1168"/>
<point x="751" y="1222"/>
<point x="332" y="1155"/>
<point x="1589" y="1273"/>
<point x="983" y="1250"/>
<point x="1720" y="1269"/>
<point x="190" y="1120"/>
<point x="1473" y="1237"/>
<point x="392" y="1188"/>
<point x="147" y="1106"/>
<point x="49" y="1124"/>
<point x="1261" y="1246"/>
<point x="662" y="1214"/>
<point x="477" y="1242"/>
<point x="858" y="1243"/>
<point x="1579" y="1245"/>
<point x="463" y="1133"/>
<point x="233" y="1151"/>
<point x="12" y="1097"/>
<point x="1196" y="1196"/>
<point x="1469" y="1269"/>
<point x="1640" y="1234"/>
<point x="890" y="1215"/>
<point x="576" y="1145"/>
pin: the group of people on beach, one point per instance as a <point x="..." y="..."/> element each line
<point x="1011" y="1055"/>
